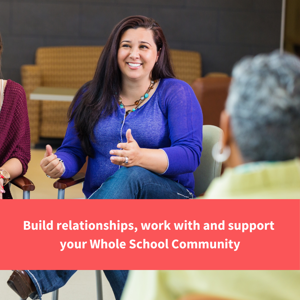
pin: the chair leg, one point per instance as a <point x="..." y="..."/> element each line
<point x="26" y="195"/>
<point x="55" y="295"/>
<point x="99" y="285"/>
<point x="61" y="194"/>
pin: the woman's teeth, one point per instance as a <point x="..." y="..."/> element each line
<point x="134" y="65"/>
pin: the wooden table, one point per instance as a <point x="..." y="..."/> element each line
<point x="53" y="94"/>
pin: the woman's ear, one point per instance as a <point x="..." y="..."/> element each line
<point x="225" y="126"/>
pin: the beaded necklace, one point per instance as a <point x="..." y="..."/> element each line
<point x="138" y="102"/>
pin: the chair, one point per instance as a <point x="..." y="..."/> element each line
<point x="209" y="168"/>
<point x="211" y="92"/>
<point x="24" y="184"/>
<point x="61" y="185"/>
<point x="98" y="283"/>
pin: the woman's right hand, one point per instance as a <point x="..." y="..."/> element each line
<point x="51" y="165"/>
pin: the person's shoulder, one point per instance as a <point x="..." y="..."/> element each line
<point x="85" y="87"/>
<point x="81" y="92"/>
<point x="15" y="90"/>
<point x="172" y="87"/>
<point x="174" y="83"/>
<point x="14" y="86"/>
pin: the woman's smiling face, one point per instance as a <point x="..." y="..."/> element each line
<point x="137" y="54"/>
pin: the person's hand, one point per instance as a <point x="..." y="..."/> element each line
<point x="130" y="154"/>
<point x="51" y="165"/>
<point x="1" y="188"/>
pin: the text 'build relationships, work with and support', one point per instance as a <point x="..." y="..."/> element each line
<point x="144" y="243"/>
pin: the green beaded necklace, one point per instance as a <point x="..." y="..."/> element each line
<point x="138" y="102"/>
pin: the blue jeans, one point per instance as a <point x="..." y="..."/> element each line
<point x="140" y="183"/>
<point x="126" y="183"/>
<point x="48" y="281"/>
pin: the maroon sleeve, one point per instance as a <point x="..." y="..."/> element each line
<point x="19" y="131"/>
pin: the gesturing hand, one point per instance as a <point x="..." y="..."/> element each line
<point x="131" y="152"/>
<point x="51" y="165"/>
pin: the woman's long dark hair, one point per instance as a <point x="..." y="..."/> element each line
<point x="99" y="96"/>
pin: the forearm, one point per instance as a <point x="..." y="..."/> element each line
<point x="14" y="167"/>
<point x="155" y="160"/>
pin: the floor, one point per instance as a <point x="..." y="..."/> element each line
<point x="82" y="285"/>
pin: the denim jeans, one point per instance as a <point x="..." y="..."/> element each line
<point x="47" y="281"/>
<point x="126" y="183"/>
<point x="140" y="183"/>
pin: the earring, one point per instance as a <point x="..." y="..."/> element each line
<point x="217" y="155"/>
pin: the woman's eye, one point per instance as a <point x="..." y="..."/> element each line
<point x="143" y="47"/>
<point x="125" y="45"/>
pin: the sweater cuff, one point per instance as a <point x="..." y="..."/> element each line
<point x="67" y="171"/>
<point x="181" y="161"/>
<point x="168" y="162"/>
<point x="62" y="162"/>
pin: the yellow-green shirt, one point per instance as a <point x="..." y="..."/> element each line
<point x="234" y="285"/>
<point x="263" y="180"/>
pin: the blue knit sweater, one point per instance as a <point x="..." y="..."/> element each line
<point x="170" y="120"/>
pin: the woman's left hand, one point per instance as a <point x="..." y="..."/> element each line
<point x="130" y="155"/>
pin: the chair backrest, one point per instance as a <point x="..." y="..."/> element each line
<point x="68" y="67"/>
<point x="72" y="66"/>
<point x="211" y="93"/>
<point x="209" y="168"/>
<point x="186" y="65"/>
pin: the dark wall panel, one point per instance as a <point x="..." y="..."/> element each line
<point x="187" y="25"/>
<point x="45" y="19"/>
<point x="249" y="28"/>
<point x="223" y="31"/>
<point x="221" y="4"/>
<point x="99" y="20"/>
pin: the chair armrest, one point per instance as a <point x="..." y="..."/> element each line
<point x="23" y="183"/>
<point x="62" y="184"/>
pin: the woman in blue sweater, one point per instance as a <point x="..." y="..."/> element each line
<point x="140" y="127"/>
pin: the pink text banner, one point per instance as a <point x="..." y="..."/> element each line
<point x="150" y="234"/>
